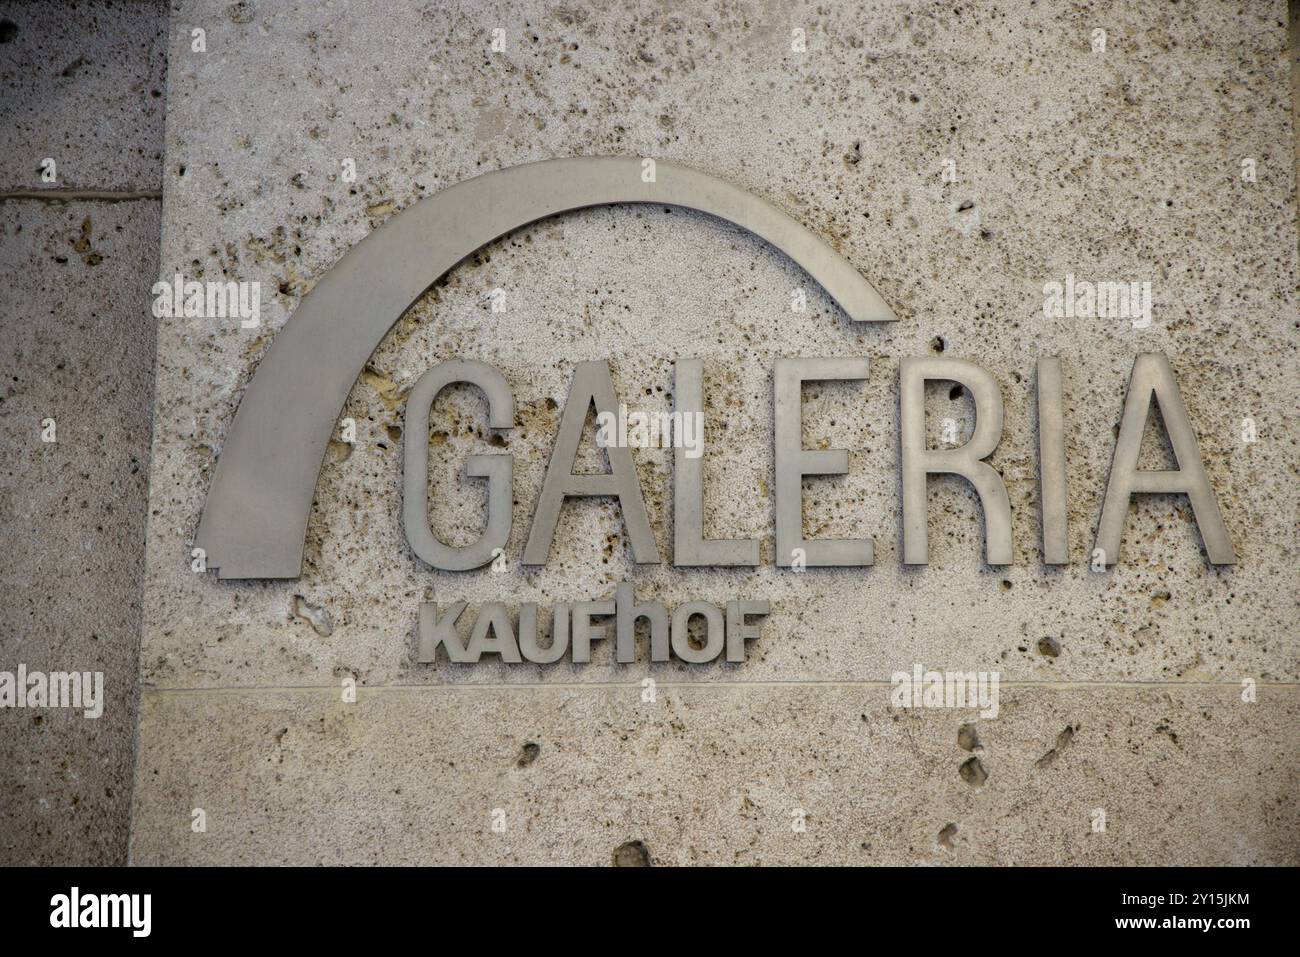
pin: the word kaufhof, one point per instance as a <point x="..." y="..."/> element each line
<point x="494" y="630"/>
<point x="573" y="625"/>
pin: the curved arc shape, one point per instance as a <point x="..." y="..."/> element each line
<point x="254" y="523"/>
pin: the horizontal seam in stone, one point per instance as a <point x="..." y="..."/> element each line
<point x="80" y="195"/>
<point x="636" y="685"/>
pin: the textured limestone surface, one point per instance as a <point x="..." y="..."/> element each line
<point x="715" y="775"/>
<point x="1123" y="164"/>
<point x="78" y="344"/>
<point x="83" y="85"/>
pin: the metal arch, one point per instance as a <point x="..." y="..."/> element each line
<point x="254" y="523"/>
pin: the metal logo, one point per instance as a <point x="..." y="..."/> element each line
<point x="255" y="520"/>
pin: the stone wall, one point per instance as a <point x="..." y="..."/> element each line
<point x="1122" y="690"/>
<point x="83" y="85"/>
